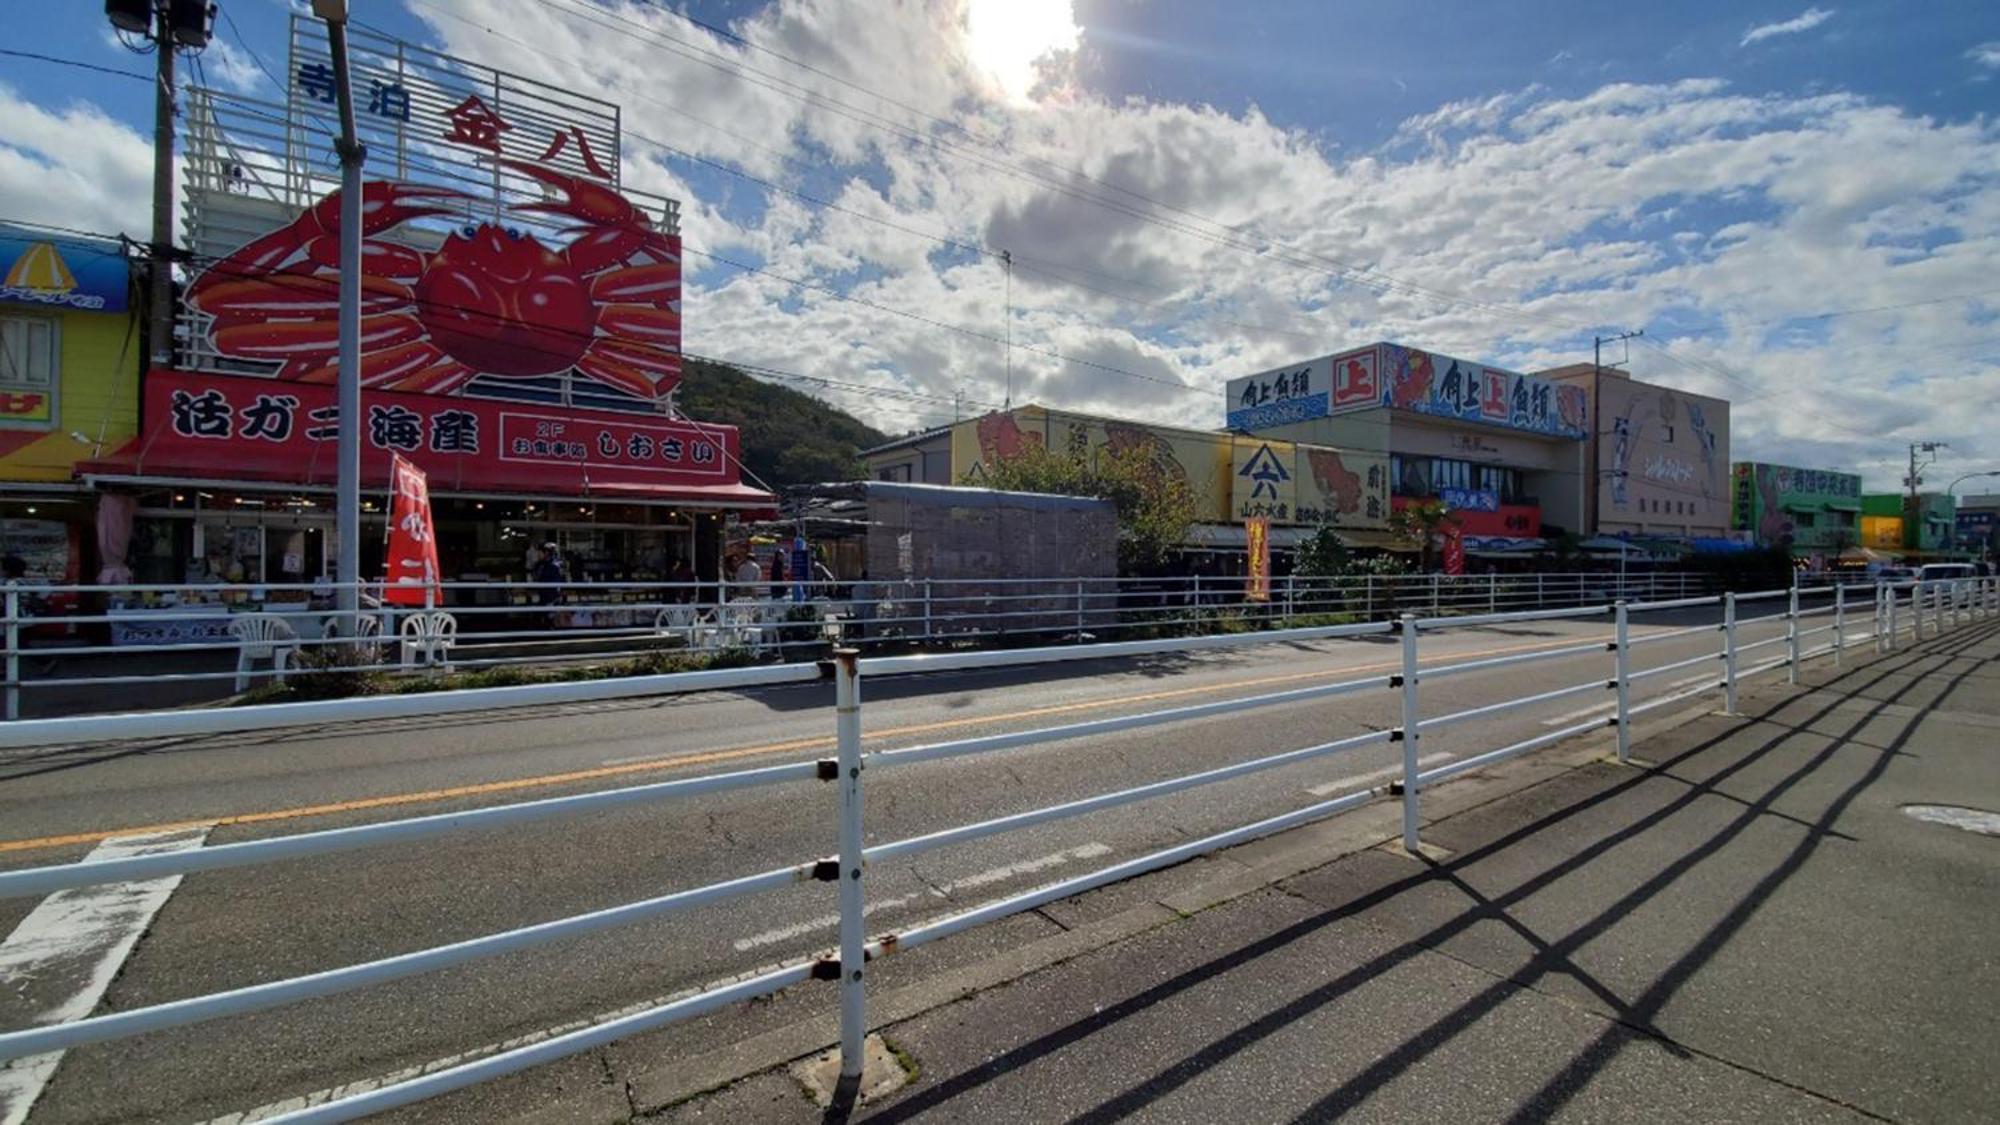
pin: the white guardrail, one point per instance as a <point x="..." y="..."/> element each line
<point x="191" y="643"/>
<point x="1893" y="613"/>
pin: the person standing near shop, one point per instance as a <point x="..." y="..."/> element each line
<point x="779" y="592"/>
<point x="749" y="576"/>
<point x="549" y="573"/>
<point x="682" y="576"/>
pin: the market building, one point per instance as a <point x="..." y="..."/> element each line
<point x="1976" y="525"/>
<point x="1501" y="448"/>
<point x="1657" y="458"/>
<point x="68" y="390"/>
<point x="1298" y="486"/>
<point x="520" y="341"/>
<point x="1813" y="513"/>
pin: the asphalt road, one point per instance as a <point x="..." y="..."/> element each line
<point x="232" y="928"/>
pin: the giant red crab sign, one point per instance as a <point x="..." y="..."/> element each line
<point x="489" y="301"/>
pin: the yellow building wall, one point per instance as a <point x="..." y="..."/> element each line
<point x="97" y="396"/>
<point x="1319" y="484"/>
<point x="1882" y="532"/>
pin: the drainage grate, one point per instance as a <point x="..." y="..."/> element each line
<point x="1957" y="816"/>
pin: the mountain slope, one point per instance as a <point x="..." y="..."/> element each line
<point x="788" y="437"/>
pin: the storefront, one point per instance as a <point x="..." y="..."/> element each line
<point x="1811" y="512"/>
<point x="520" y="345"/>
<point x="68" y="358"/>
<point x="1502" y="449"/>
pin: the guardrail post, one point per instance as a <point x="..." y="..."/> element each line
<point x="1729" y="652"/>
<point x="1493" y="592"/>
<point x="1623" y="663"/>
<point x="847" y="732"/>
<point x="927" y="609"/>
<point x="1839" y="622"/>
<point x="1368" y="589"/>
<point x="1937" y="609"/>
<point x="1291" y="597"/>
<point x="1957" y="597"/>
<point x="1079" y="611"/>
<point x="1437" y="584"/>
<point x="13" y="651"/>
<point x="1410" y="733"/>
<point x="1792" y="637"/>
<point x="1888" y="610"/>
<point x="1541" y="601"/>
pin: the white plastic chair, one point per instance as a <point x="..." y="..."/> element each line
<point x="739" y="624"/>
<point x="427" y="639"/>
<point x="690" y="623"/>
<point x="262" y="636"/>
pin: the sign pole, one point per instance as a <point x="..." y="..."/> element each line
<point x="348" y="418"/>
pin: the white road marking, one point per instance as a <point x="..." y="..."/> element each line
<point x="364" y="1085"/>
<point x="1604" y="708"/>
<point x="64" y="954"/>
<point x="1350" y="784"/>
<point x="970" y="882"/>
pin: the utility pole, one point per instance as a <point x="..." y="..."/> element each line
<point x="1007" y="261"/>
<point x="161" y="322"/>
<point x="347" y="523"/>
<point x="1913" y="536"/>
<point x="168" y="25"/>
<point x="1594" y="482"/>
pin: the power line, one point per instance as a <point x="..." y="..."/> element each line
<point x="78" y="64"/>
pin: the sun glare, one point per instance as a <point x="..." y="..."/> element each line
<point x="1005" y="38"/>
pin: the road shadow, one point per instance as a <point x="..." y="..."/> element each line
<point x="1552" y="953"/>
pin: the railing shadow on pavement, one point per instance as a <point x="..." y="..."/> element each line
<point x="1552" y="956"/>
<point x="845" y="869"/>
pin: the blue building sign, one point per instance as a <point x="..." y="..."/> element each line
<point x="63" y="273"/>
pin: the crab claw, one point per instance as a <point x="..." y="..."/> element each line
<point x="613" y="229"/>
<point x="386" y="203"/>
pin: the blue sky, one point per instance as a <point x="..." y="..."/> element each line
<point x="1193" y="191"/>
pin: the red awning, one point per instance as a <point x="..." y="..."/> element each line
<point x="128" y="465"/>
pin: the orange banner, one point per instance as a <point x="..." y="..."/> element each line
<point x="1257" y="536"/>
<point x="412" y="556"/>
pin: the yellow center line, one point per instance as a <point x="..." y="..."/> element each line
<point x="570" y="777"/>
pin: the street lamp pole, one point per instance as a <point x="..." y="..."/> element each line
<point x="347" y="459"/>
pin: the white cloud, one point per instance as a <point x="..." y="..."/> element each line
<point x="1507" y="227"/>
<point x="1804" y="21"/>
<point x="1986" y="55"/>
<point x="73" y="167"/>
<point x="231" y="68"/>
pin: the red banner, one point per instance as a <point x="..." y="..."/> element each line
<point x="1454" y="549"/>
<point x="1257" y="536"/>
<point x="412" y="556"/>
<point x="240" y="428"/>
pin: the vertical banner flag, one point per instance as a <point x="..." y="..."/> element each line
<point x="1257" y="535"/>
<point x="1454" y="550"/>
<point x="413" y="556"/>
<point x="801" y="568"/>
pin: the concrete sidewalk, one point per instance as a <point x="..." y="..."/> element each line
<point x="1745" y="925"/>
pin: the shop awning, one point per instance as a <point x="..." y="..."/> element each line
<point x="1841" y="506"/>
<point x="126" y="467"/>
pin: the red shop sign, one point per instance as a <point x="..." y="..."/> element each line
<point x="235" y="427"/>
